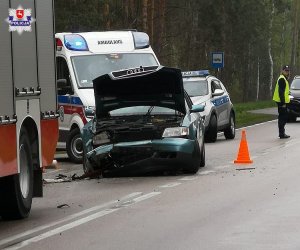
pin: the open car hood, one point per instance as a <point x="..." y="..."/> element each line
<point x="149" y="86"/>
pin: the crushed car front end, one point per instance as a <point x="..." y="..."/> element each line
<point x="151" y="146"/>
<point x="143" y="121"/>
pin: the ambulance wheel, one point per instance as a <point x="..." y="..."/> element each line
<point x="16" y="191"/>
<point x="74" y="146"/>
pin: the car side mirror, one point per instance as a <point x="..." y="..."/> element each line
<point x="218" y="92"/>
<point x="197" y="108"/>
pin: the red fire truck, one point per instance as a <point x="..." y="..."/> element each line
<point x="28" y="103"/>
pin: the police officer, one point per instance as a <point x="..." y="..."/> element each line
<point x="281" y="97"/>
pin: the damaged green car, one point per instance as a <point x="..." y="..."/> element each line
<point x="144" y="122"/>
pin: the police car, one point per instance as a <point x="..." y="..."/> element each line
<point x="219" y="114"/>
<point x="294" y="106"/>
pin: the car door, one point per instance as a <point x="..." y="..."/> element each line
<point x="64" y="99"/>
<point x="220" y="100"/>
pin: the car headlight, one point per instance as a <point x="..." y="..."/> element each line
<point x="101" y="138"/>
<point x="291" y="97"/>
<point x="176" y="132"/>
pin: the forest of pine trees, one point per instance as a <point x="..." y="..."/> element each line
<point x="256" y="36"/>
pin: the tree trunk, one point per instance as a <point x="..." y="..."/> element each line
<point x="295" y="34"/>
<point x="106" y="15"/>
<point x="257" y="87"/>
<point x="144" y="15"/>
<point x="269" y="50"/>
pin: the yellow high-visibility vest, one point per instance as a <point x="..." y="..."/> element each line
<point x="276" y="97"/>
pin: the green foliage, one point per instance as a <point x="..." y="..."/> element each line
<point x="245" y="118"/>
<point x="257" y="37"/>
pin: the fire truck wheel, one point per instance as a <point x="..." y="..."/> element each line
<point x="74" y="146"/>
<point x="19" y="188"/>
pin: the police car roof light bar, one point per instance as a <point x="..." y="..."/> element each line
<point x="75" y="42"/>
<point x="204" y="72"/>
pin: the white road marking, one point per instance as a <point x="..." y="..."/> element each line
<point x="169" y="185"/>
<point x="206" y="172"/>
<point x="78" y="222"/>
<point x="188" y="178"/>
<point x="258" y="124"/>
<point x="68" y="218"/>
<point x="222" y="167"/>
<point x="62" y="228"/>
<point x="146" y="196"/>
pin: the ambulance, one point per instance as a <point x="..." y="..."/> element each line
<point x="82" y="57"/>
<point x="28" y="102"/>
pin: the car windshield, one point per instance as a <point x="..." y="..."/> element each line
<point x="295" y="84"/>
<point x="89" y="67"/>
<point x="142" y="110"/>
<point x="195" y="87"/>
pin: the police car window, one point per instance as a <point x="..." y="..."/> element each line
<point x="89" y="67"/>
<point x="195" y="87"/>
<point x="188" y="101"/>
<point x="215" y="85"/>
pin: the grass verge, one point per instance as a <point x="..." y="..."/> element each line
<point x="245" y="118"/>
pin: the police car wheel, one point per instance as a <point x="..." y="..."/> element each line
<point x="211" y="133"/>
<point x="74" y="146"/>
<point x="16" y="191"/>
<point x="229" y="132"/>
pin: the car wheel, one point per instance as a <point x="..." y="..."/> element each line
<point x="16" y="191"/>
<point x="229" y="132"/>
<point x="202" y="162"/>
<point x="292" y="118"/>
<point x="197" y="159"/>
<point x="211" y="133"/>
<point x="87" y="166"/>
<point x="74" y="146"/>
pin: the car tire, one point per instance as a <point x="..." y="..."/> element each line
<point x="87" y="166"/>
<point x="193" y="169"/>
<point x="16" y="191"/>
<point x="292" y="118"/>
<point x="74" y="146"/>
<point x="229" y="132"/>
<point x="212" y="132"/>
<point x="202" y="162"/>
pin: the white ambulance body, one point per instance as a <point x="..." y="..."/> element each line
<point x="80" y="58"/>
<point x="28" y="102"/>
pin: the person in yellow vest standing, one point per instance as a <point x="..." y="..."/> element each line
<point x="281" y="97"/>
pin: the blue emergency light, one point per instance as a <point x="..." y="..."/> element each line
<point x="204" y="72"/>
<point x="75" y="42"/>
<point x="141" y="40"/>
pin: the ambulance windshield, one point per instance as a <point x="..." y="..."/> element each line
<point x="89" y="67"/>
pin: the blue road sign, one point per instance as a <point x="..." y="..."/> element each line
<point x="217" y="60"/>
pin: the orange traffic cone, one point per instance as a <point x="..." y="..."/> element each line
<point x="243" y="155"/>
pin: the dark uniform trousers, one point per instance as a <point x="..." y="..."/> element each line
<point x="282" y="118"/>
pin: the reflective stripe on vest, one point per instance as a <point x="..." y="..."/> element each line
<point x="276" y="96"/>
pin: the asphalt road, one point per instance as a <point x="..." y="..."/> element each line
<point x="221" y="207"/>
